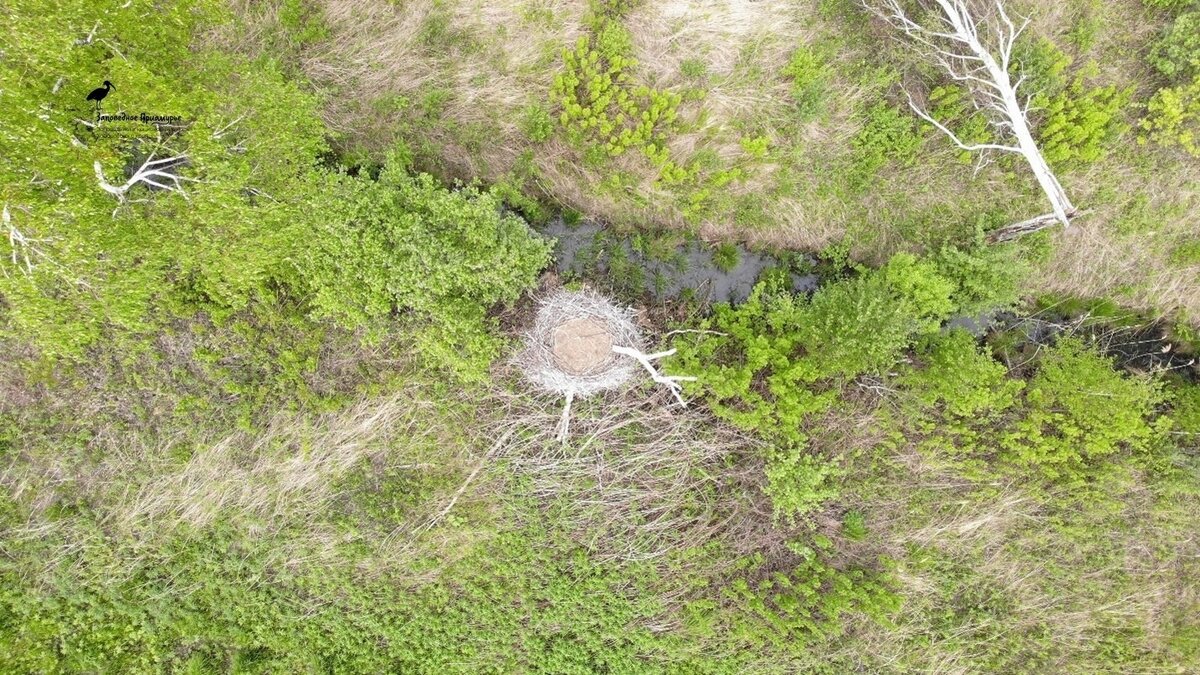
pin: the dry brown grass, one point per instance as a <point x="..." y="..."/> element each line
<point x="639" y="480"/>
<point x="1071" y="569"/>
<point x="283" y="477"/>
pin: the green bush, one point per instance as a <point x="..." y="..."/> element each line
<point x="798" y="483"/>
<point x="854" y="526"/>
<point x="1177" y="53"/>
<point x="986" y="277"/>
<point x="888" y="134"/>
<point x="1080" y="123"/>
<point x="777" y="361"/>
<point x="1173" y="113"/>
<point x="952" y="107"/>
<point x="403" y="242"/>
<point x="807" y="603"/>
<point x="810" y="78"/>
<point x="599" y="104"/>
<point x="958" y="376"/>
<point x="1079" y="412"/>
<point x="1042" y="64"/>
<point x="762" y="372"/>
<point x="537" y="123"/>
<point x="1173" y="118"/>
<point x="1185" y="407"/>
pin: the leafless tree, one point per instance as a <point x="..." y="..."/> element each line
<point x="972" y="41"/>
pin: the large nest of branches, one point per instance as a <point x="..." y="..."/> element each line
<point x="569" y="350"/>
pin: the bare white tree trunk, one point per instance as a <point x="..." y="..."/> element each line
<point x="978" y="53"/>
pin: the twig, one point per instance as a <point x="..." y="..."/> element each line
<point x="463" y="488"/>
<point x="564" y="422"/>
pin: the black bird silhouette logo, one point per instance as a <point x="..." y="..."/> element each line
<point x="99" y="93"/>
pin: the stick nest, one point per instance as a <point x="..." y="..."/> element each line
<point x="569" y="350"/>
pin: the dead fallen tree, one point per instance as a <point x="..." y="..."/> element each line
<point x="972" y="42"/>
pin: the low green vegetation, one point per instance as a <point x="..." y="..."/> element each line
<point x="1174" y="111"/>
<point x="261" y="415"/>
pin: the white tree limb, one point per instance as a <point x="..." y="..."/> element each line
<point x="973" y="147"/>
<point x="91" y="36"/>
<point x="221" y="132"/>
<point x="671" y="381"/>
<point x="150" y="170"/>
<point x="978" y="53"/>
<point x="24" y="250"/>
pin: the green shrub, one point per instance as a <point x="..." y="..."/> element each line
<point x="1173" y="113"/>
<point x="807" y="603"/>
<point x="1173" y="118"/>
<point x="599" y="104"/>
<point x="1080" y="412"/>
<point x="1042" y="64"/>
<point x="777" y="361"/>
<point x="888" y="134"/>
<point x="537" y="123"/>
<point x="774" y="348"/>
<point x="798" y="483"/>
<point x="952" y="107"/>
<point x="1177" y="53"/>
<point x="986" y="277"/>
<point x="405" y="243"/>
<point x="810" y="79"/>
<point x="1185" y="407"/>
<point x="1080" y="123"/>
<point x="964" y="380"/>
<point x="854" y="525"/>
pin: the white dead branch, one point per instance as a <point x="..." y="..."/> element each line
<point x="223" y="130"/>
<point x="972" y="41"/>
<point x="582" y="344"/>
<point x="90" y="37"/>
<point x="671" y="381"/>
<point x="149" y="173"/>
<point x="26" y="252"/>
<point x="18" y="243"/>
